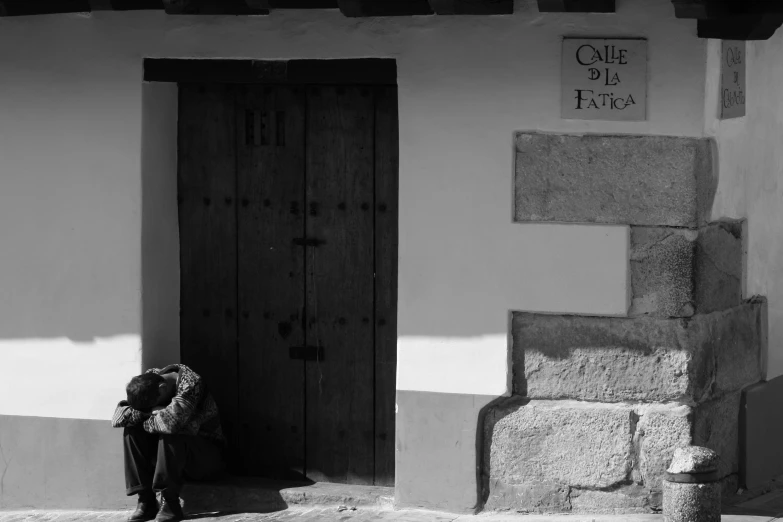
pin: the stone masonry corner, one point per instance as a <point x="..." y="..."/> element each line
<point x="632" y="180"/>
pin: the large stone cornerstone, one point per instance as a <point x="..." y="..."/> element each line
<point x="678" y="272"/>
<point x="599" y="404"/>
<point x="630" y="180"/>
<point x="612" y="359"/>
<point x="588" y="457"/>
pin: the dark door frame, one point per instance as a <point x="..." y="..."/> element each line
<point x="363" y="71"/>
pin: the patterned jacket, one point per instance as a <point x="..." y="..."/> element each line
<point x="192" y="411"/>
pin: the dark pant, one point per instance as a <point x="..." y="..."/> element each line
<point x="162" y="462"/>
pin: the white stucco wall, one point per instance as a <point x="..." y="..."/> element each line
<point x="71" y="168"/>
<point x="751" y="174"/>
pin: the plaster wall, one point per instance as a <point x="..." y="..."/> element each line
<point x="751" y="174"/>
<point x="88" y="210"/>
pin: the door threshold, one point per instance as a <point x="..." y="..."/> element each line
<point x="262" y="495"/>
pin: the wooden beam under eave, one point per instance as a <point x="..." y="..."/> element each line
<point x="364" y="8"/>
<point x="42" y="7"/>
<point x="472" y="7"/>
<point x="258" y="5"/>
<point x="748" y="27"/>
<point x="136" y="5"/>
<point x="303" y="4"/>
<point x="210" y="7"/>
<point x="576" y="6"/>
<point x="719" y="9"/>
<point x="101" y="5"/>
<point x="701" y="9"/>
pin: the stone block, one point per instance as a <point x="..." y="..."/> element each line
<point x="624" y="500"/>
<point x="735" y="338"/>
<point x="645" y="359"/>
<point x="720" y="253"/>
<point x="677" y="272"/>
<point x="633" y="180"/>
<point x="588" y="457"/>
<point x="660" y="431"/>
<point x="716" y="426"/>
<point x="535" y="451"/>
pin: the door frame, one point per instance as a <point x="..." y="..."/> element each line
<point x="366" y="71"/>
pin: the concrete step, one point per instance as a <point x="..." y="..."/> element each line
<point x="260" y="495"/>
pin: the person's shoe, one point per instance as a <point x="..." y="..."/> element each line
<point x="170" y="511"/>
<point x="146" y="509"/>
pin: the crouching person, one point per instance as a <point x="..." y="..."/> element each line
<point x="171" y="432"/>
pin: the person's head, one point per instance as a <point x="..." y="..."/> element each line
<point x="147" y="391"/>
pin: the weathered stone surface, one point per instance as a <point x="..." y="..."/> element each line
<point x="560" y="456"/>
<point x="536" y="450"/>
<point x="693" y="459"/>
<point x="677" y="272"/>
<point x="735" y="337"/>
<point x="533" y="497"/>
<point x="566" y="442"/>
<point x="624" y="500"/>
<point x="614" y="359"/>
<point x="691" y="502"/>
<point x="606" y="359"/>
<point x="660" y="431"/>
<point x="729" y="485"/>
<point x="719" y="266"/>
<point x="662" y="266"/>
<point x="716" y="426"/>
<point x="572" y="456"/>
<point x="635" y="180"/>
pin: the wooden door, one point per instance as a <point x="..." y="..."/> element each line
<point x="305" y="245"/>
<point x="270" y="184"/>
<point x="208" y="242"/>
<point x="340" y="284"/>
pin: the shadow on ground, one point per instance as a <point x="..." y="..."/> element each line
<point x="231" y="494"/>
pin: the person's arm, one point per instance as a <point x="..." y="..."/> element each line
<point x="175" y="415"/>
<point x="125" y="416"/>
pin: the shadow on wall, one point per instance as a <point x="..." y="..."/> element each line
<point x="482" y="451"/>
<point x="159" y="226"/>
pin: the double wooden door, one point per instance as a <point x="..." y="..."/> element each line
<point x="288" y="256"/>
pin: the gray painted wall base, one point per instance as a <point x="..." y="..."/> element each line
<point x="761" y="433"/>
<point x="49" y="463"/>
<point x="437" y="437"/>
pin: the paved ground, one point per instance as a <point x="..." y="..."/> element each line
<point x="359" y="515"/>
<point x="763" y="506"/>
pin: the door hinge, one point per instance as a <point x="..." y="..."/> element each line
<point x="308" y="241"/>
<point x="308" y="353"/>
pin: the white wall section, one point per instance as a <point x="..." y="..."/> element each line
<point x="58" y="377"/>
<point x="72" y="201"/>
<point x="751" y="174"/>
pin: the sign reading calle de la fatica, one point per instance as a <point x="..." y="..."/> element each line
<point x="604" y="79"/>
<point x="732" y="80"/>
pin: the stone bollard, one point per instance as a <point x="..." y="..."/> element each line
<point x="691" y="487"/>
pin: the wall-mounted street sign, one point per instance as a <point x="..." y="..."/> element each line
<point x="732" y="79"/>
<point x="604" y="79"/>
